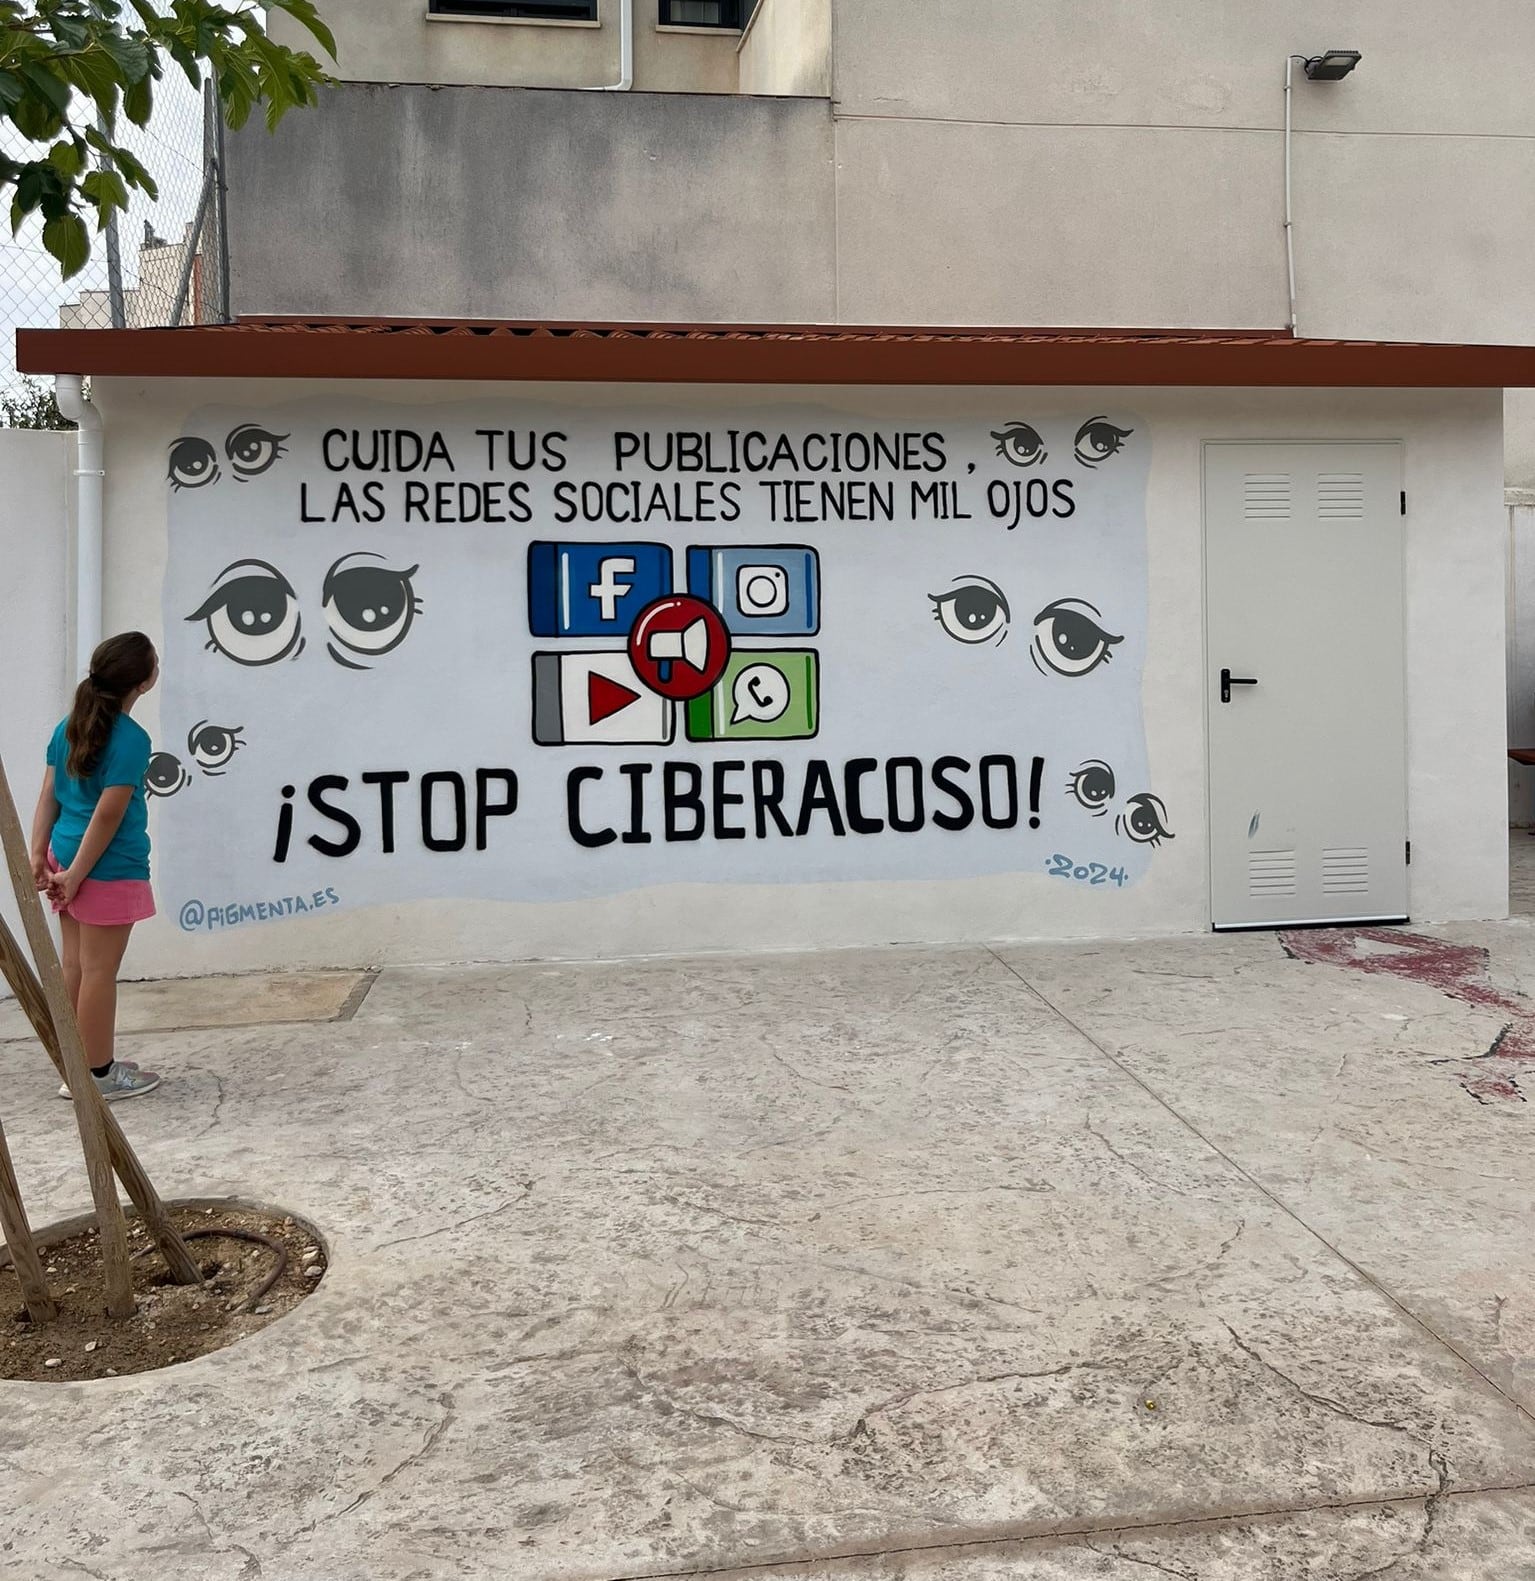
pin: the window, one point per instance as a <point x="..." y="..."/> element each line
<point x="704" y="13"/>
<point x="533" y="10"/>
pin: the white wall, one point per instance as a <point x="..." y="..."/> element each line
<point x="35" y="609"/>
<point x="1456" y="693"/>
<point x="1521" y="652"/>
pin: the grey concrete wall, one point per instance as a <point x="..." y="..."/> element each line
<point x="787" y="48"/>
<point x="1113" y="162"/>
<point x="526" y="204"/>
<point x="398" y="41"/>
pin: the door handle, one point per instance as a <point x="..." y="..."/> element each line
<point x="1228" y="680"/>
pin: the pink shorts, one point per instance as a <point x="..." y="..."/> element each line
<point x="107" y="902"/>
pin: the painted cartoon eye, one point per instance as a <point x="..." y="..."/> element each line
<point x="252" y="449"/>
<point x="212" y="746"/>
<point x="1145" y="821"/>
<point x="370" y="608"/>
<point x="1020" y="444"/>
<point x="193" y="464"/>
<point x="1093" y="786"/>
<point x="975" y="610"/>
<point x="254" y="618"/>
<point x="1098" y="439"/>
<point x="1068" y="638"/>
<point x="166" y="775"/>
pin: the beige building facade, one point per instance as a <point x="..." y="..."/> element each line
<point x="1071" y="162"/>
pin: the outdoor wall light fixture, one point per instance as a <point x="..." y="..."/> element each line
<point x="1331" y="65"/>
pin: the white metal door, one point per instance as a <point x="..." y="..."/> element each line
<point x="1304" y="626"/>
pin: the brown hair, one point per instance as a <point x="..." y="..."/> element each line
<point x="119" y="666"/>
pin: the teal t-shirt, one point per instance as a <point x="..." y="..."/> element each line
<point x="124" y="762"/>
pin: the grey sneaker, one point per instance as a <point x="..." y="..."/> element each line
<point x="132" y="1064"/>
<point x="120" y="1082"/>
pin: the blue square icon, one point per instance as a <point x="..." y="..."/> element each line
<point x="593" y="589"/>
<point x="762" y="590"/>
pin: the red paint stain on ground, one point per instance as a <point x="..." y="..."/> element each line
<point x="1459" y="970"/>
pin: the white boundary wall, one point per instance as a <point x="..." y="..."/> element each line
<point x="1521" y="651"/>
<point x="35" y="606"/>
<point x="1456" y="581"/>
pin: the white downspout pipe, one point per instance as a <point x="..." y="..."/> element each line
<point x="1289" y="227"/>
<point x="74" y="404"/>
<point x="625" y="52"/>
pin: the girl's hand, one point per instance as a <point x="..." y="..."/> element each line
<point x="41" y="876"/>
<point x="65" y="886"/>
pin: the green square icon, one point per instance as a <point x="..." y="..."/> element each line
<point x="771" y="694"/>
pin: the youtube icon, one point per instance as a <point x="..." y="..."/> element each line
<point x="596" y="698"/>
<point x="606" y="697"/>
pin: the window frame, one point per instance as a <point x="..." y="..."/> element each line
<point x="536" y="12"/>
<point x="742" y="10"/>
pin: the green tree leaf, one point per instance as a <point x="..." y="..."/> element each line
<point x="139" y="100"/>
<point x="67" y="64"/>
<point x="67" y="156"/>
<point x="67" y="240"/>
<point x="105" y="189"/>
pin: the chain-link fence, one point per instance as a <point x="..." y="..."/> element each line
<point x="158" y="263"/>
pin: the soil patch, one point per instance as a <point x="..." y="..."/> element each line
<point x="173" y="1322"/>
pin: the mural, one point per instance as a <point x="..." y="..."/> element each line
<point x="540" y="653"/>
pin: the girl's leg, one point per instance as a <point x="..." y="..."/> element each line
<point x="101" y="954"/>
<point x="70" y="930"/>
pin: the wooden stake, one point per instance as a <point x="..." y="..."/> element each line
<point x="18" y="1236"/>
<point x="112" y="1233"/>
<point x="29" y="994"/>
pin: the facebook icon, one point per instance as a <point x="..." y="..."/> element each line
<point x="593" y="589"/>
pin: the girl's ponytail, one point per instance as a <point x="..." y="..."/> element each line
<point x="119" y="666"/>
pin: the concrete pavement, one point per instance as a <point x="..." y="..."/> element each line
<point x="1079" y="1261"/>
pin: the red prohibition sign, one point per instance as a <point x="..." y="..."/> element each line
<point x="679" y="646"/>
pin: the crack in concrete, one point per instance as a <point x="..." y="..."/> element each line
<point x="799" y="1075"/>
<point x="249" y="1571"/>
<point x="1430" y="1516"/>
<point x="448" y="1401"/>
<point x="708" y="1418"/>
<point x="719" y="1213"/>
<point x="800" y="1138"/>
<point x="1118" y="1552"/>
<point x="332" y="1366"/>
<point x="474" y="1218"/>
<point x="1129" y="1163"/>
<point x="835" y="1206"/>
<point x="938" y="1293"/>
<point x="1200" y="1268"/>
<point x="862" y="1429"/>
<point x="1336" y="1407"/>
<point x="477" y="1100"/>
<point x="218" y="1105"/>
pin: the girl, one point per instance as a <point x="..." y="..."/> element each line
<point x="90" y="846"/>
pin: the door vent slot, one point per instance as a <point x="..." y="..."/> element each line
<point x="1340" y="495"/>
<point x="1266" y="496"/>
<point x="1270" y="873"/>
<point x="1345" y="871"/>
